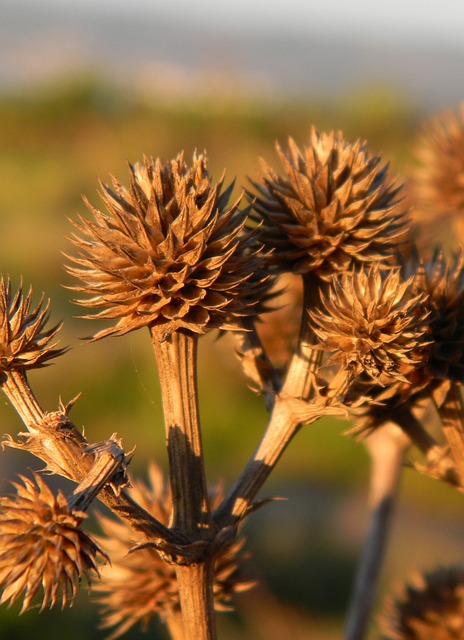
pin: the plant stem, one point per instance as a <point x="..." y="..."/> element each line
<point x="176" y="358"/>
<point x="284" y="422"/>
<point x="195" y="583"/>
<point x="386" y="445"/>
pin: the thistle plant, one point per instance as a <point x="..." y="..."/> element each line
<point x="376" y="332"/>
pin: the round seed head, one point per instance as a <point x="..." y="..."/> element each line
<point x="372" y="322"/>
<point x="439" y="178"/>
<point x="333" y="204"/>
<point x="169" y="252"/>
<point x="430" y="608"/>
<point x="25" y="342"/>
<point x="42" y="546"/>
<point x="139" y="585"/>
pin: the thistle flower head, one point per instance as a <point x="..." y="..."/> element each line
<point x="25" y="342"/>
<point x="439" y="178"/>
<point x="371" y="321"/>
<point x="169" y="252"/>
<point x="334" y="204"/>
<point x="443" y="282"/>
<point x="430" y="608"/>
<point x="42" y="546"/>
<point x="139" y="585"/>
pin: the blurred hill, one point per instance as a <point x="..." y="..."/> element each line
<point x="152" y="53"/>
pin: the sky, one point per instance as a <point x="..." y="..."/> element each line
<point x="438" y="22"/>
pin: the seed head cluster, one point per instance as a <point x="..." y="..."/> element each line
<point x="42" y="546"/>
<point x="333" y="204"/>
<point x="169" y="252"/>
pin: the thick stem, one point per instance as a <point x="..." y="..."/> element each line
<point x="452" y="416"/>
<point x="386" y="446"/>
<point x="175" y="626"/>
<point x="195" y="583"/>
<point x="19" y="393"/>
<point x="176" y="358"/>
<point x="284" y="421"/>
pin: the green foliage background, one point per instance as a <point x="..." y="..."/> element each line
<point x="54" y="143"/>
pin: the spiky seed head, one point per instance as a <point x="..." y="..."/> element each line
<point x="169" y="252"/>
<point x="371" y="321"/>
<point x="139" y="585"/>
<point x="442" y="280"/>
<point x="42" y="546"/>
<point x="439" y="177"/>
<point x="333" y="204"/>
<point x="25" y="342"/>
<point x="431" y="607"/>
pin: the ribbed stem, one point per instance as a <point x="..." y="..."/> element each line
<point x="284" y="422"/>
<point x="176" y="358"/>
<point x="19" y="393"/>
<point x="195" y="584"/>
<point x="386" y="446"/>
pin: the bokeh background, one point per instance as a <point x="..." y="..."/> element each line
<point x="85" y="87"/>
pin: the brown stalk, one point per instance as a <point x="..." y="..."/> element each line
<point x="63" y="448"/>
<point x="176" y="356"/>
<point x="386" y="446"/>
<point x="285" y="420"/>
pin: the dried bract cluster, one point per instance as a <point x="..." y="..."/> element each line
<point x="139" y="585"/>
<point x="170" y="252"/>
<point x="333" y="204"/>
<point x="430" y="608"/>
<point x="439" y="179"/>
<point x="25" y="343"/>
<point x="42" y="546"/>
<point x="371" y="321"/>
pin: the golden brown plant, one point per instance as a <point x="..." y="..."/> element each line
<point x="42" y="546"/>
<point x="334" y="204"/>
<point x="430" y="607"/>
<point x="25" y="343"/>
<point x="139" y="585"/>
<point x="170" y="252"/>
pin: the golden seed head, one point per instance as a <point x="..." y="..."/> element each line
<point x="169" y="252"/>
<point x="334" y="204"/>
<point x="42" y="546"/>
<point x="430" y="608"/>
<point x="439" y="178"/>
<point x="443" y="282"/>
<point x="25" y="343"/>
<point x="371" y="321"/>
<point x="139" y="585"/>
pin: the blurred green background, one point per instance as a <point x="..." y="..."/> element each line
<point x="56" y="140"/>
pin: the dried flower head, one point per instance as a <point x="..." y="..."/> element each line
<point x="25" y="343"/>
<point x="170" y="252"/>
<point x="430" y="608"/>
<point x="139" y="585"/>
<point x="334" y="204"/>
<point x="43" y="546"/>
<point x="439" y="179"/>
<point x="443" y="282"/>
<point x="371" y="321"/>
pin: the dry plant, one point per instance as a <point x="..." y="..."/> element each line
<point x="377" y="336"/>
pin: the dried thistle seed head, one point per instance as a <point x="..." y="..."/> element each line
<point x="42" y="546"/>
<point x="25" y="342"/>
<point x="372" y="322"/>
<point x="334" y="204"/>
<point x="169" y="252"/>
<point x="443" y="282"/>
<point x="439" y="178"/>
<point x="430" y="608"/>
<point x="139" y="585"/>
